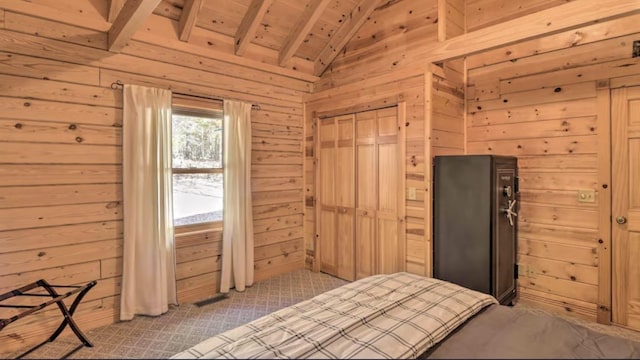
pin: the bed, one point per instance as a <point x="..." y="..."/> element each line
<point x="402" y="316"/>
<point x="511" y="333"/>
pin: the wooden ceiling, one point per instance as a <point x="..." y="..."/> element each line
<point x="293" y="38"/>
<point x="304" y="35"/>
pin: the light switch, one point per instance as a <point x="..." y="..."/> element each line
<point x="412" y="193"/>
<point x="586" y="196"/>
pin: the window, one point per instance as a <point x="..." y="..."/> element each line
<point x="197" y="166"/>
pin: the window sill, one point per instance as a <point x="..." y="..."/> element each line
<point x="201" y="227"/>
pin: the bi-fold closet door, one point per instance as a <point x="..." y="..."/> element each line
<point x="360" y="202"/>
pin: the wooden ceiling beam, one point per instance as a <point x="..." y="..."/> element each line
<point x="114" y="9"/>
<point x="249" y="25"/>
<point x="572" y="15"/>
<point x="349" y="27"/>
<point x="311" y="15"/>
<point x="133" y="14"/>
<point x="188" y="18"/>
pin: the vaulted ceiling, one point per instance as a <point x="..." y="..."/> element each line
<point x="304" y="35"/>
<point x="299" y="38"/>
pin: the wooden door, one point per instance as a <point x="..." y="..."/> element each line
<point x="366" y="193"/>
<point x="379" y="198"/>
<point x="336" y="196"/>
<point x="390" y="189"/>
<point x="626" y="206"/>
<point x="327" y="235"/>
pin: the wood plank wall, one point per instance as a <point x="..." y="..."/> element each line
<point x="444" y="135"/>
<point x="546" y="101"/>
<point x="394" y="39"/>
<point x="356" y="86"/>
<point x="61" y="174"/>
<point x="368" y="95"/>
<point x="382" y="67"/>
<point x="483" y="13"/>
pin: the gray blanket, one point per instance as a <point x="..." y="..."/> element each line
<point x="505" y="332"/>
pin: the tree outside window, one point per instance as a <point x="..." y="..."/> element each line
<point x="197" y="167"/>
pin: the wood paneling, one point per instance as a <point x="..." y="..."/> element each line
<point x="549" y="106"/>
<point x="161" y="31"/>
<point x="58" y="174"/>
<point x="29" y="239"/>
<point x="61" y="164"/>
<point x="66" y="11"/>
<point x="52" y="29"/>
<point x="483" y="13"/>
<point x="392" y="40"/>
<point x="42" y="110"/>
<point x="33" y="196"/>
<point x="426" y="99"/>
<point x="593" y="33"/>
<point x="130" y="18"/>
<point x="351" y="24"/>
<point x="15" y="64"/>
<point x="626" y="206"/>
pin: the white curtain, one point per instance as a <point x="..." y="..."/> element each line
<point x="237" y="228"/>
<point x="148" y="279"/>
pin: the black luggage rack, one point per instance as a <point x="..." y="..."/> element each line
<point x="55" y="298"/>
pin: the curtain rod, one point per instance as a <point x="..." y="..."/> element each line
<point x="118" y="85"/>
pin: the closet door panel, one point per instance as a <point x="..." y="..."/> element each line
<point x="390" y="256"/>
<point x="345" y="197"/>
<point x="365" y="244"/>
<point x="366" y="205"/>
<point x="346" y="244"/>
<point x="327" y="177"/>
<point x="387" y="121"/>
<point x="345" y="177"/>
<point x="366" y="125"/>
<point x="327" y="224"/>
<point x="388" y="180"/>
<point x="389" y="260"/>
<point x="367" y="197"/>
<point x="328" y="242"/>
<point x="361" y="196"/>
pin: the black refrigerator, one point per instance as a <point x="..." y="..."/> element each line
<point x="475" y="227"/>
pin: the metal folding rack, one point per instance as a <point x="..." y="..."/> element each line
<point x="57" y="299"/>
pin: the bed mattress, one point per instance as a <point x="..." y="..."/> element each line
<point x="508" y="332"/>
<point x="395" y="316"/>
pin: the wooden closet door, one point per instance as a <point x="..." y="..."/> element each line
<point x="345" y="197"/>
<point x="336" y="197"/>
<point x="327" y="208"/>
<point x="366" y="193"/>
<point x="626" y="206"/>
<point x="390" y="189"/>
<point x="379" y="193"/>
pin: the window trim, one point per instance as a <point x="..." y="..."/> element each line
<point x="198" y="170"/>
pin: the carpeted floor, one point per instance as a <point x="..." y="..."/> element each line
<point x="186" y="325"/>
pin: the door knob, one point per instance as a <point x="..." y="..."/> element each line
<point x="621" y="220"/>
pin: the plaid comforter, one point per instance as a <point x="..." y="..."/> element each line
<point x="397" y="316"/>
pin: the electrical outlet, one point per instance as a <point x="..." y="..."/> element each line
<point x="412" y="193"/>
<point x="587" y="196"/>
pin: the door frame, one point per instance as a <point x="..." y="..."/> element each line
<point x="401" y="107"/>
<point x="605" y="179"/>
<point x="603" y="111"/>
<point x="615" y="84"/>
